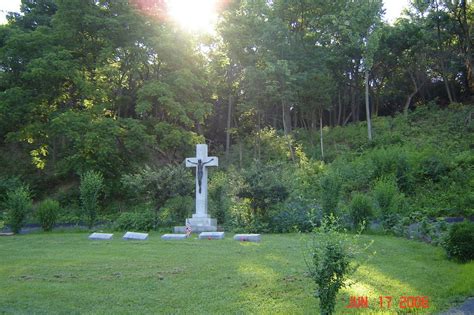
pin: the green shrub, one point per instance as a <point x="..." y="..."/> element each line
<point x="243" y="218"/>
<point x="390" y="203"/>
<point x="47" y="214"/>
<point x="90" y="190"/>
<point x="157" y="185"/>
<point x="2" y="220"/>
<point x="330" y="193"/>
<point x="385" y="192"/>
<point x="296" y="217"/>
<point x="384" y="161"/>
<point x="459" y="243"/>
<point x="8" y="184"/>
<point x="331" y="261"/>
<point x="136" y="221"/>
<point x="18" y="205"/>
<point x="264" y="188"/>
<point x="176" y="210"/>
<point x="220" y="196"/>
<point x="433" y="167"/>
<point x="404" y="175"/>
<point x="360" y="209"/>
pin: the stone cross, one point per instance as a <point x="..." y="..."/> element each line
<point x="201" y="162"/>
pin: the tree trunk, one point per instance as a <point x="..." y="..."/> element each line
<point x="347" y="119"/>
<point x="257" y="139"/>
<point x="321" y="133"/>
<point x="466" y="28"/>
<point x="240" y="153"/>
<point x="286" y="131"/>
<point x="354" y="94"/>
<point x="227" y="131"/>
<point x="339" y="103"/>
<point x="367" y="108"/>
<point x="448" y="90"/>
<point x="412" y="94"/>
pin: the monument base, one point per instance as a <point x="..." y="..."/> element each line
<point x="195" y="229"/>
<point x="201" y="223"/>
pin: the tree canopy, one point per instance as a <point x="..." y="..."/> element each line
<point x="113" y="85"/>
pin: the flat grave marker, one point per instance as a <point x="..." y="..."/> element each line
<point x="135" y="236"/>
<point x="211" y="236"/>
<point x="100" y="236"/>
<point x="171" y="237"/>
<point x="247" y="237"/>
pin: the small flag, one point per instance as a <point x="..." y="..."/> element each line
<point x="188" y="229"/>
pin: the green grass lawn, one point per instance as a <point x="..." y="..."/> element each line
<point x="66" y="273"/>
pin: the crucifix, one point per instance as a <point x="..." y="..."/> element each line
<point x="201" y="162"/>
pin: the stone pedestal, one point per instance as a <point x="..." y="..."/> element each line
<point x="199" y="223"/>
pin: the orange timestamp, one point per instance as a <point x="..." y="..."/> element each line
<point x="388" y="302"/>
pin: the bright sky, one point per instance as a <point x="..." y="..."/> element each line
<point x="393" y="8"/>
<point x="8" y="6"/>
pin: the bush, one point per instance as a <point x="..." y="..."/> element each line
<point x="459" y="243"/>
<point x="244" y="220"/>
<point x="391" y="204"/>
<point x="297" y="217"/>
<point x="8" y="184"/>
<point x="219" y="196"/>
<point x="47" y="214"/>
<point x="136" y="221"/>
<point x="156" y="185"/>
<point x="404" y="176"/>
<point x="18" y="205"/>
<point x="384" y="161"/>
<point x="385" y="194"/>
<point x="331" y="261"/>
<point x="176" y="210"/>
<point x="360" y="209"/>
<point x="330" y="192"/>
<point x="433" y="167"/>
<point x="90" y="189"/>
<point x="264" y="188"/>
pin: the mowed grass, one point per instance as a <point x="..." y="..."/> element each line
<point x="66" y="273"/>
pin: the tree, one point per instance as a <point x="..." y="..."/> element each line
<point x="18" y="205"/>
<point x="90" y="190"/>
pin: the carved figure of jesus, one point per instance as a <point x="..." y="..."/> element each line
<point x="200" y="172"/>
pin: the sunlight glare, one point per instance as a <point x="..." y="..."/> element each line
<point x="193" y="15"/>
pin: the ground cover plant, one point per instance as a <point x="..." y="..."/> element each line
<point x="67" y="273"/>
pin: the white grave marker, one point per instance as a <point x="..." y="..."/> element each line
<point x="100" y="236"/>
<point x="170" y="237"/>
<point x="135" y="236"/>
<point x="211" y="236"/>
<point x="247" y="237"/>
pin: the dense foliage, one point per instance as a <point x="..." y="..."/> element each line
<point x="18" y="206"/>
<point x="47" y="214"/>
<point x="116" y="88"/>
<point x="90" y="189"/>
<point x="459" y="242"/>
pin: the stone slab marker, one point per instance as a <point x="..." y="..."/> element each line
<point x="135" y="236"/>
<point x="211" y="236"/>
<point x="247" y="237"/>
<point x="171" y="237"/>
<point x="201" y="220"/>
<point x="100" y="236"/>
